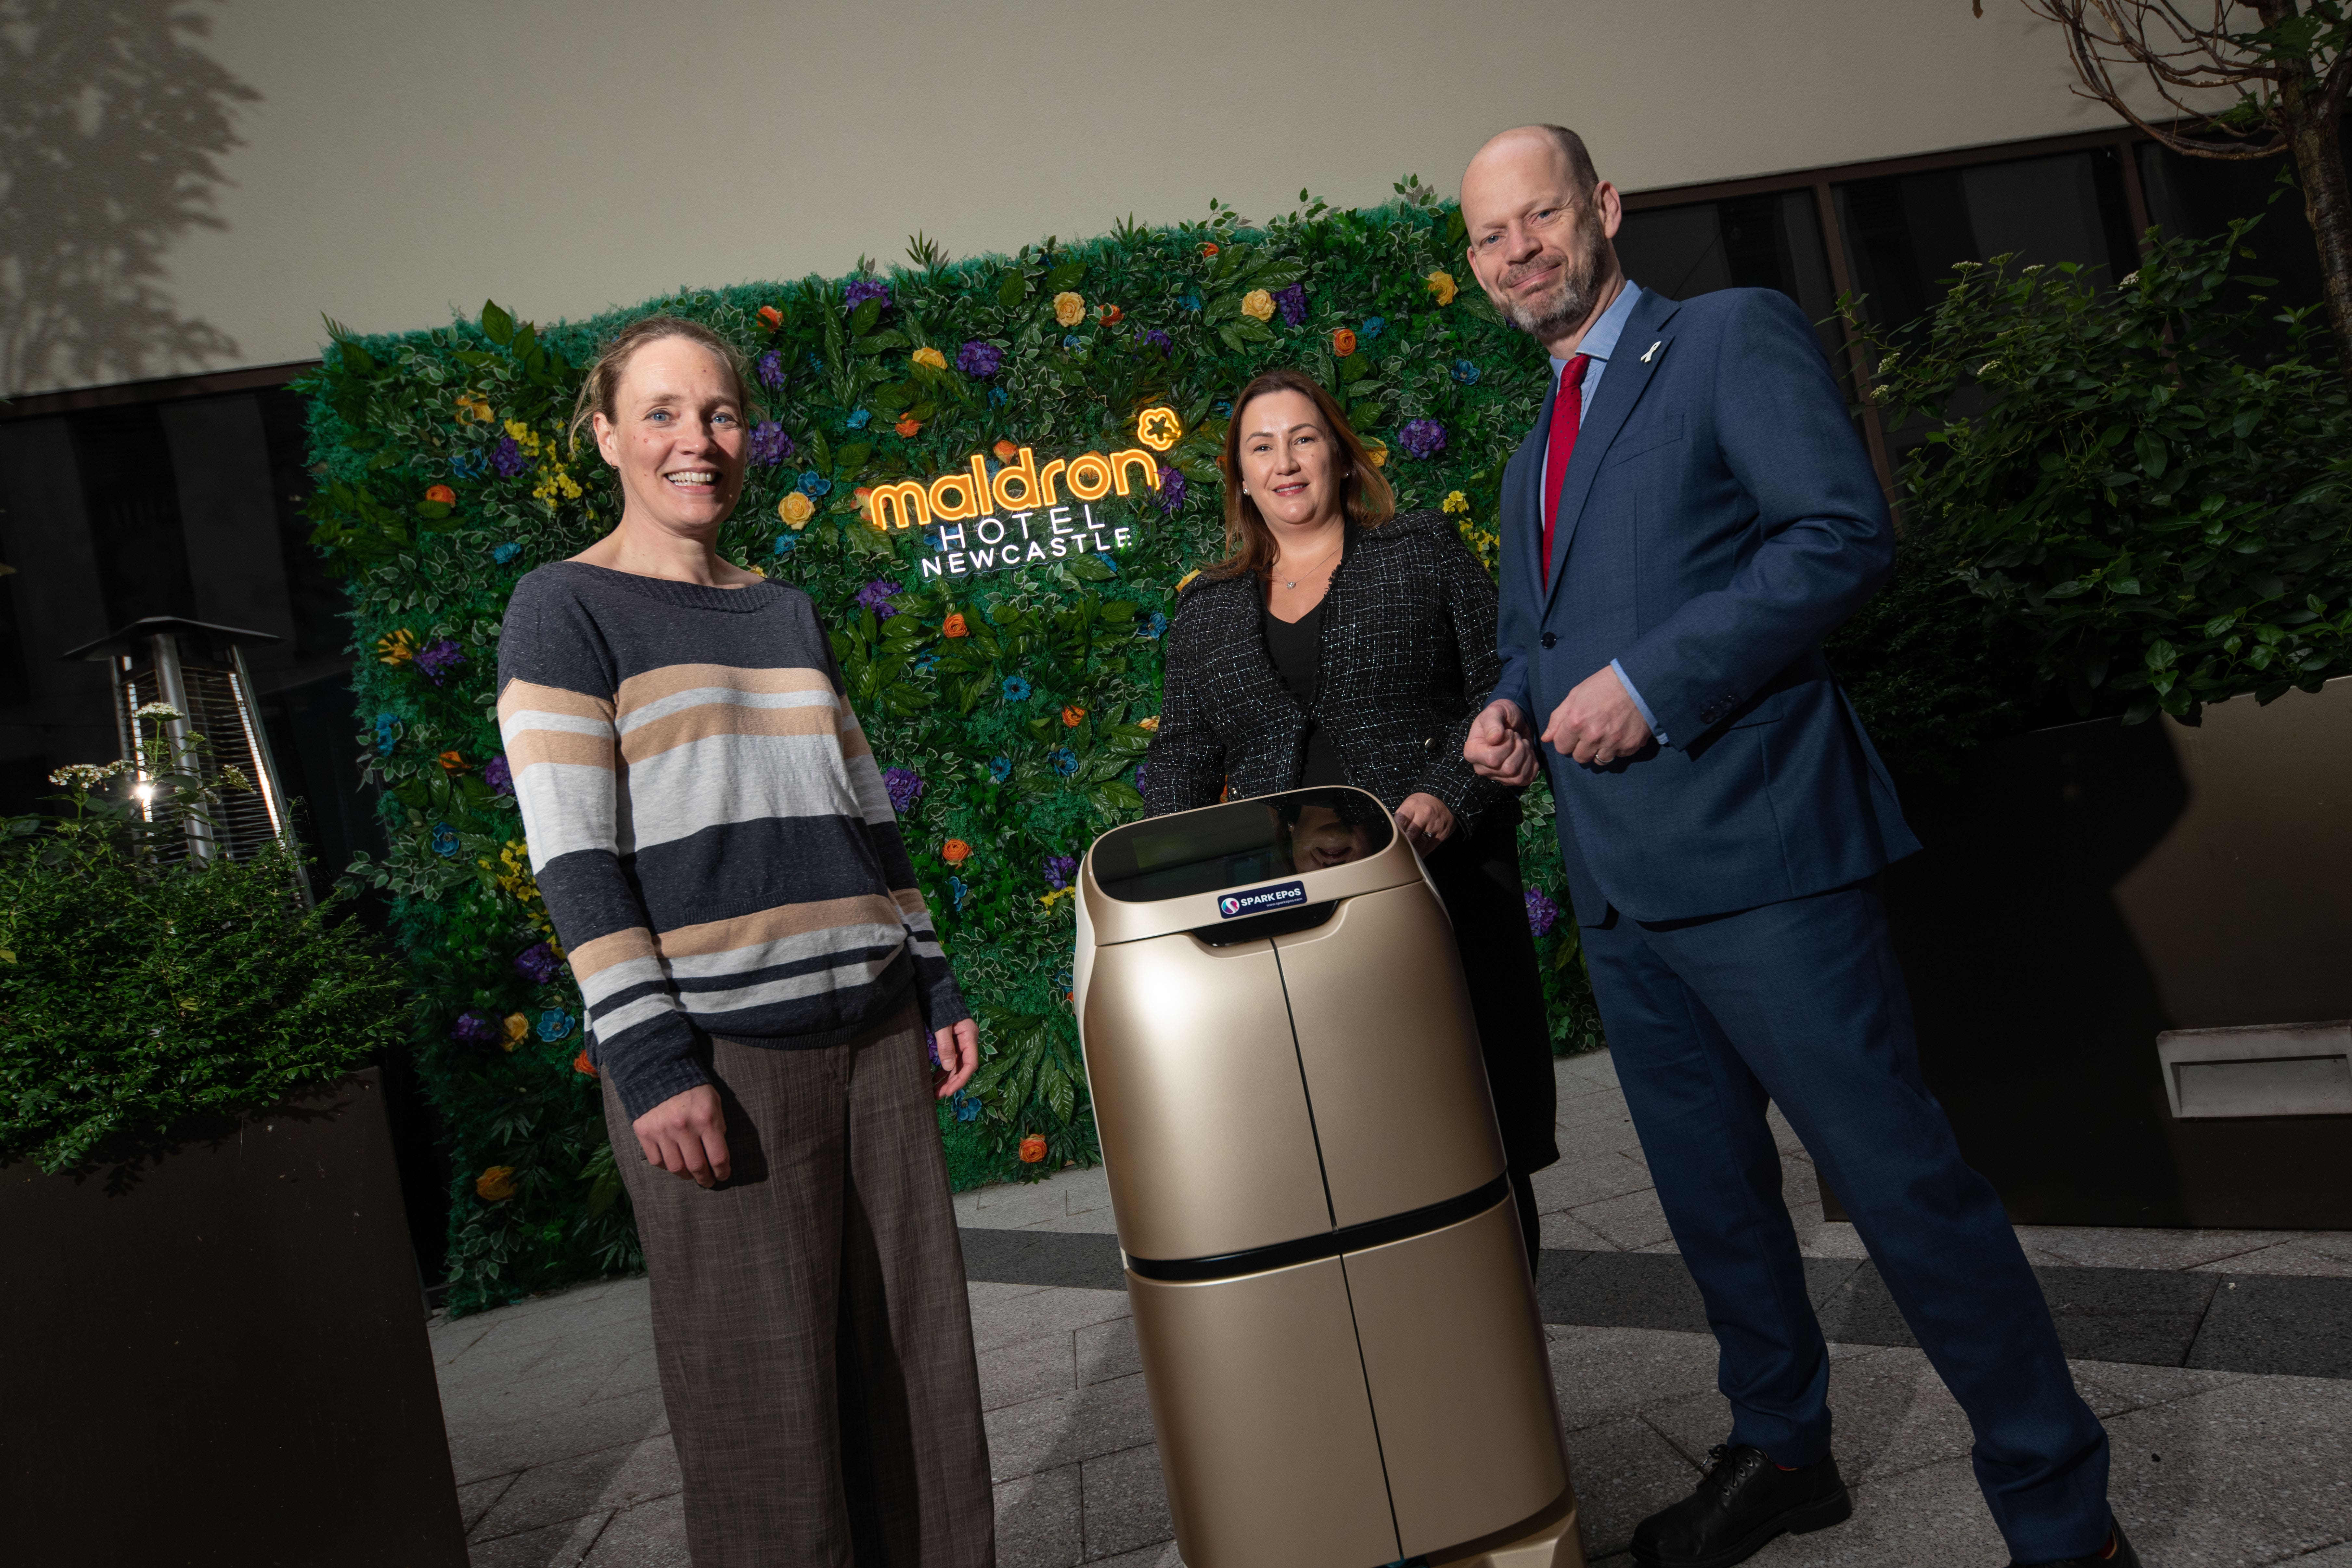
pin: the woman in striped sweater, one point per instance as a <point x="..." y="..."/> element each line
<point x="719" y="852"/>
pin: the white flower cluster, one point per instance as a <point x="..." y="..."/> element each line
<point x="88" y="775"/>
<point x="163" y="711"/>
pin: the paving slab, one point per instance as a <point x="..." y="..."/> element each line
<point x="1028" y="1369"/>
<point x="2275" y="1323"/>
<point x="651" y="1535"/>
<point x="1126" y="1501"/>
<point x="1600" y="1375"/>
<point x="2257" y="1472"/>
<point x="588" y="1484"/>
<point x="1108" y="1350"/>
<point x="1026" y="1316"/>
<point x="560" y="1545"/>
<point x="1623" y="1472"/>
<point x="1038" y="1519"/>
<point x="1066" y="1427"/>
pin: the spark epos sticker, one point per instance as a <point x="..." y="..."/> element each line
<point x="1260" y="901"/>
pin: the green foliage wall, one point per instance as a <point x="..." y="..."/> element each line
<point x="446" y="477"/>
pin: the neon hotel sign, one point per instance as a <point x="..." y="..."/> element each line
<point x="1027" y="512"/>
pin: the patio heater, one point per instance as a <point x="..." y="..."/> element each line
<point x="199" y="670"/>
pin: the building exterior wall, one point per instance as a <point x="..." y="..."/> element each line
<point x="193" y="200"/>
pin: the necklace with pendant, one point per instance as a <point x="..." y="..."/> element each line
<point x="1293" y="582"/>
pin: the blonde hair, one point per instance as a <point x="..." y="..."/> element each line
<point x="600" y="393"/>
<point x="1249" y="543"/>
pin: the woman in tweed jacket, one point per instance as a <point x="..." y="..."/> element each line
<point x="1341" y="643"/>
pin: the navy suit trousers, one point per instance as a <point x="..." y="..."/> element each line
<point x="1801" y="1004"/>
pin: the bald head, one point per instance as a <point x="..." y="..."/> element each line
<point x="1541" y="221"/>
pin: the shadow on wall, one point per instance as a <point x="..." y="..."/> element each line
<point x="112" y="127"/>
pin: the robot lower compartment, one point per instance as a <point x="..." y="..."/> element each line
<point x="1338" y="1326"/>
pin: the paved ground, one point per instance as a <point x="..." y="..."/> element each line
<point x="562" y="1454"/>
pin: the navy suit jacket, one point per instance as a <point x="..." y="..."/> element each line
<point x="1719" y="518"/>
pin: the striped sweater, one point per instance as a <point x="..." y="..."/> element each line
<point x="706" y="822"/>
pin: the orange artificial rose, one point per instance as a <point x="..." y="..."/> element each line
<point x="954" y="626"/>
<point x="1073" y="716"/>
<point x="1208" y="250"/>
<point x="1343" y="342"/>
<point x="1033" y="1148"/>
<point x="582" y="1064"/>
<point x="955" y="852"/>
<point x="498" y="1183"/>
<point x="1112" y="313"/>
<point x="1006" y="451"/>
<point x="443" y="494"/>
<point x="770" y="314"/>
<point x="907" y="427"/>
<point x="452" y="762"/>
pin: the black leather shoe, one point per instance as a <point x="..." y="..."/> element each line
<point x="2118" y="1553"/>
<point x="1744" y="1501"/>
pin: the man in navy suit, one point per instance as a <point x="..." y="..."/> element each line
<point x="1692" y="514"/>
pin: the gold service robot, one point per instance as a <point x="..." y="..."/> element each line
<point x="1338" y="1330"/>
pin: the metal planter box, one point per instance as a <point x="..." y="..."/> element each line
<point x="2087" y="889"/>
<point x="214" y="1353"/>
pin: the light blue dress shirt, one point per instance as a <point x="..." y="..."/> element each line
<point x="1600" y="342"/>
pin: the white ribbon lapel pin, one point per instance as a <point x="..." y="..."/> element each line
<point x="1653" y="350"/>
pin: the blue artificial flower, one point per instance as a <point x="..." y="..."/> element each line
<point x="554" y="1024"/>
<point x="1188" y="299"/>
<point x="998" y="396"/>
<point x="1157" y="626"/>
<point x="1064" y="760"/>
<point x="925" y="662"/>
<point x="1070" y="342"/>
<point x="1224" y="407"/>
<point x="859" y="418"/>
<point x="445" y="840"/>
<point x="787" y="542"/>
<point x="966" y="1106"/>
<point x="815" y="485"/>
<point x="1466" y="373"/>
<point x="502" y="553"/>
<point x="387" y="733"/>
<point x="1015" y="689"/>
<point x="1372" y="328"/>
<point x="1000" y="768"/>
<point x="1105" y="557"/>
<point x="958" y="891"/>
<point x="466" y="466"/>
<point x="814" y="362"/>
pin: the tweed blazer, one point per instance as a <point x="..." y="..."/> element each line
<point x="1408" y="657"/>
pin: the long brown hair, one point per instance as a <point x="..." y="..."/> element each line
<point x="1249" y="543"/>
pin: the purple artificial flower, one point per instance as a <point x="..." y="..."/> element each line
<point x="906" y="787"/>
<point x="770" y="445"/>
<point x="507" y="459"/>
<point x="1156" y="339"/>
<point x="1292" y="303"/>
<point x="1422" y="437"/>
<point x="875" y="596"/>
<point x="1060" y="868"/>
<point x="439" y="658"/>
<point x="772" y="368"/>
<point x="1543" y="913"/>
<point x="1139" y="769"/>
<point x="499" y="777"/>
<point x="979" y="359"/>
<point x="860" y="289"/>
<point x="538" y="964"/>
<point x="474" y="1028"/>
<point x="1172" y="488"/>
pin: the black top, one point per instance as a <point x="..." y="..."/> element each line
<point x="1297" y="648"/>
<point x="1406" y="647"/>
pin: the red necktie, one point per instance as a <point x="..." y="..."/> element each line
<point x="1567" y="414"/>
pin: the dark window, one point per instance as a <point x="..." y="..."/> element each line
<point x="1904" y="233"/>
<point x="133" y="500"/>
<point x="2200" y="198"/>
<point x="15" y="679"/>
<point x="1770" y="241"/>
<point x="315" y="593"/>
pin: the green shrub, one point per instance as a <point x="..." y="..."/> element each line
<point x="136" y="993"/>
<point x="2155" y="517"/>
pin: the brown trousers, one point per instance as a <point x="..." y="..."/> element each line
<point x="810" y="1318"/>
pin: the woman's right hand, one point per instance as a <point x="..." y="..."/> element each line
<point x="686" y="1136"/>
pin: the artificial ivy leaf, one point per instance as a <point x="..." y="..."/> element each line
<point x="497" y="325"/>
<point x="1065" y="277"/>
<point x="862" y="319"/>
<point x="1091" y="569"/>
<point x="1012" y="291"/>
<point x="851" y="458"/>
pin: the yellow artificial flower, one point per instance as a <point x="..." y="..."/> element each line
<point x="1442" y="285"/>
<point x="1456" y="502"/>
<point x="929" y="356"/>
<point x="796" y="509"/>
<point x="1151" y="724"/>
<point x="396" y="647"/>
<point x="1069" y="308"/>
<point x="517" y="1028"/>
<point x="1187" y="578"/>
<point x="475" y="409"/>
<point x="756" y="571"/>
<point x="1379" y="453"/>
<point x="1258" y="305"/>
<point x="1050" y="899"/>
<point x="496" y="1184"/>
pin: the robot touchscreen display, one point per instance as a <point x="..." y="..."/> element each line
<point x="1239" y="843"/>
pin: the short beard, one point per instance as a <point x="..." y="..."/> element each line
<point x="1578" y="291"/>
